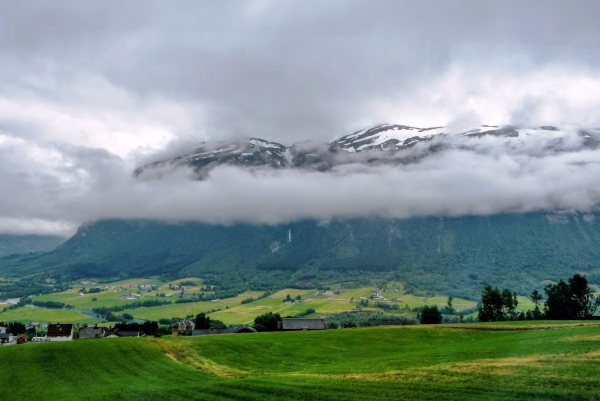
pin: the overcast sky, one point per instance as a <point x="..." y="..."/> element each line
<point x="89" y="89"/>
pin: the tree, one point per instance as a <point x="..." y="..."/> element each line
<point x="431" y="315"/>
<point x="536" y="298"/>
<point x="491" y="305"/>
<point x="572" y="300"/>
<point x="202" y="321"/>
<point x="449" y="305"/>
<point x="267" y="322"/>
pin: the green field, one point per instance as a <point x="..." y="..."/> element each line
<point x="230" y="310"/>
<point x="43" y="315"/>
<point x="394" y="363"/>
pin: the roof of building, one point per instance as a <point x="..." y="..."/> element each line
<point x="188" y="324"/>
<point x="59" y="330"/>
<point x="119" y="333"/>
<point x="5" y="336"/>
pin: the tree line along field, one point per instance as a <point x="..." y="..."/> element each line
<point x="229" y="310"/>
<point x="505" y="361"/>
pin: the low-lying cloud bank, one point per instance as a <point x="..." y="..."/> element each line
<point x="475" y="176"/>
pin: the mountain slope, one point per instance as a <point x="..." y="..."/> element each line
<point x="457" y="256"/>
<point x="18" y="244"/>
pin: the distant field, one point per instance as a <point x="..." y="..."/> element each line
<point x="233" y="312"/>
<point x="183" y="309"/>
<point x="43" y="315"/>
<point x="112" y="296"/>
<point x="394" y="363"/>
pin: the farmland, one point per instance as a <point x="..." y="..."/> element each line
<point x="493" y="361"/>
<point x="229" y="310"/>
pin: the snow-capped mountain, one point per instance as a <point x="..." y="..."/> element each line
<point x="386" y="143"/>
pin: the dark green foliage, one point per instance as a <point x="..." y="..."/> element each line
<point x="307" y="312"/>
<point x="103" y="310"/>
<point x="496" y="305"/>
<point x="14" y="327"/>
<point x="450" y="255"/>
<point x="536" y="298"/>
<point x="431" y="315"/>
<point x="217" y="324"/>
<point x="187" y="283"/>
<point x="267" y="322"/>
<point x="149" y="328"/>
<point x="572" y="300"/>
<point x="94" y="290"/>
<point x="127" y="316"/>
<point x="49" y="304"/>
<point x="202" y="321"/>
<point x="247" y="300"/>
<point x="387" y="306"/>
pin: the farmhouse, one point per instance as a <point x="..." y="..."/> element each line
<point x="242" y="328"/>
<point x="91" y="332"/>
<point x="60" y="332"/>
<point x="302" y="324"/>
<point x="6" y="338"/>
<point x="183" y="327"/>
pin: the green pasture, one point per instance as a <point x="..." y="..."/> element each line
<point x="111" y="296"/>
<point x="44" y="315"/>
<point x="557" y="362"/>
<point x="327" y="305"/>
<point x="184" y="309"/>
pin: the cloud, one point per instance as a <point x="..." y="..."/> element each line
<point x="90" y="90"/>
<point x="472" y="176"/>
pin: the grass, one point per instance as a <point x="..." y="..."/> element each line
<point x="27" y="315"/>
<point x="402" y="363"/>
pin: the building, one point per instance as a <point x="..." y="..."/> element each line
<point x="125" y="333"/>
<point x="242" y="328"/>
<point x="2" y="330"/>
<point x="183" y="327"/>
<point x="60" y="332"/>
<point x="302" y="324"/>
<point x="91" y="332"/>
<point x="6" y="338"/>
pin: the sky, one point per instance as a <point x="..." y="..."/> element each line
<point x="90" y="90"/>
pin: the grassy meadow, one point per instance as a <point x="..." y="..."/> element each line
<point x="506" y="361"/>
<point x="43" y="315"/>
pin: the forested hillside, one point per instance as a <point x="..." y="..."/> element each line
<point x="12" y="244"/>
<point x="450" y="255"/>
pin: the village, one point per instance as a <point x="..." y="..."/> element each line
<point x="183" y="327"/>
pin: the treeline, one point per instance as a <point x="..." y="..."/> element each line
<point x="105" y="310"/>
<point x="564" y="301"/>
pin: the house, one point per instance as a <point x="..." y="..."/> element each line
<point x="183" y="327"/>
<point x="60" y="332"/>
<point x="2" y="330"/>
<point x="6" y="338"/>
<point x="91" y="332"/>
<point x="302" y="324"/>
<point x="242" y="328"/>
<point x="21" y="339"/>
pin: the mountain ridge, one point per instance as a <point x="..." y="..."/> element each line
<point x="384" y="143"/>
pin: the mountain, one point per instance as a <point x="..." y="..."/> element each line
<point x="19" y="244"/>
<point x="445" y="255"/>
<point x="386" y="143"/>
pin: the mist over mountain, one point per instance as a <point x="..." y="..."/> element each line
<point x="381" y="144"/>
